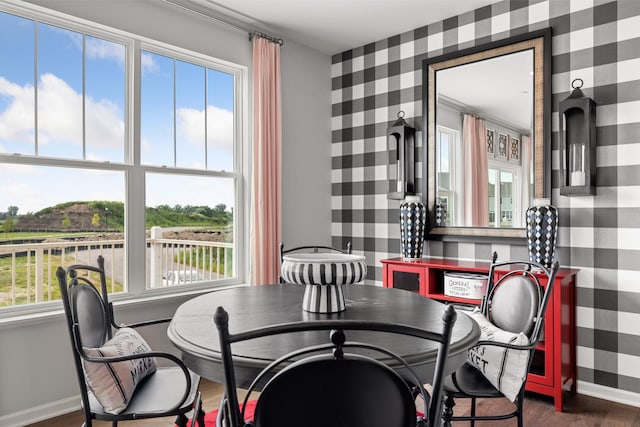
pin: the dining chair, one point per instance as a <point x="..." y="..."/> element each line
<point x="312" y="249"/>
<point x="117" y="372"/>
<point x="511" y="319"/>
<point x="340" y="383"/>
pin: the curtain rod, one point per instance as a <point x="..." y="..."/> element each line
<point x="252" y="34"/>
<point x="272" y="39"/>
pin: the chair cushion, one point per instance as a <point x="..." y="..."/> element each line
<point x="469" y="381"/>
<point x="154" y="395"/>
<point x="506" y="369"/>
<point x="113" y="384"/>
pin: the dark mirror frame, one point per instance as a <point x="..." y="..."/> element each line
<point x="540" y="42"/>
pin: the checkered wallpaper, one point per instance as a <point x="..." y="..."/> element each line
<point x="596" y="40"/>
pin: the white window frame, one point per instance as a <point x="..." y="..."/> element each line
<point x="132" y="168"/>
<point x="500" y="166"/>
<point x="456" y="166"/>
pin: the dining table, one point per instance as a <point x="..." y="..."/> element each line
<point x="193" y="332"/>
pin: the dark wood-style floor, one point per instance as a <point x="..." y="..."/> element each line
<point x="580" y="411"/>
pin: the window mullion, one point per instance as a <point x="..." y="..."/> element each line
<point x="175" y="116"/>
<point x="84" y="97"/>
<point x="35" y="87"/>
<point x="206" y="125"/>
<point x="135" y="178"/>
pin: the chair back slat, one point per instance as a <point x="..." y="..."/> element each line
<point x="88" y="312"/>
<point x="320" y="392"/>
<point x="517" y="300"/>
<point x="88" y="321"/>
<point x="330" y="384"/>
<point x="515" y="304"/>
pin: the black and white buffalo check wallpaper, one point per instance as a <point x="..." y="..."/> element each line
<point x="595" y="40"/>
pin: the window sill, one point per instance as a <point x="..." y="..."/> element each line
<point x="35" y="318"/>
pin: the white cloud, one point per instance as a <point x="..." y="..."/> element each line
<point x="12" y="170"/>
<point x="219" y="126"/>
<point x="59" y="115"/>
<point x="101" y="49"/>
<point x="16" y="121"/>
<point x="146" y="146"/>
<point x="147" y="63"/>
<point x="95" y="48"/>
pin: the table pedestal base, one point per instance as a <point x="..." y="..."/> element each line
<point x="323" y="299"/>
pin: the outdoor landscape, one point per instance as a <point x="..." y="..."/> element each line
<point x="79" y="230"/>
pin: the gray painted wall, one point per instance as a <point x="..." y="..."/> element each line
<point x="306" y="156"/>
<point x="37" y="370"/>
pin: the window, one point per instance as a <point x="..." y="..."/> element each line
<point x="82" y="177"/>
<point x="504" y="195"/>
<point x="449" y="168"/>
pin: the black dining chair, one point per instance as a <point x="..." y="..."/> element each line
<point x="116" y="369"/>
<point x="341" y="383"/>
<point x="516" y="299"/>
<point x="311" y="249"/>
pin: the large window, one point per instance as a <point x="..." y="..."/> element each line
<point x="81" y="177"/>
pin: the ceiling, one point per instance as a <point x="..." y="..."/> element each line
<point x="333" y="26"/>
<point x="501" y="89"/>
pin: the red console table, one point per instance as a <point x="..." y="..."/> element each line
<point x="554" y="366"/>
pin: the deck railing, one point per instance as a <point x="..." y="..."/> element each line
<point x="27" y="270"/>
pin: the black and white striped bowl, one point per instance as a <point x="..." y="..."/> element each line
<point x="323" y="274"/>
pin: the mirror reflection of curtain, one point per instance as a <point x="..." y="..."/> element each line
<point x="476" y="180"/>
<point x="527" y="158"/>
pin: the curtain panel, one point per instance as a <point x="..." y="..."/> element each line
<point x="476" y="165"/>
<point x="266" y="206"/>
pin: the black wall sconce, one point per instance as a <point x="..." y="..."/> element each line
<point x="400" y="159"/>
<point x="577" y="128"/>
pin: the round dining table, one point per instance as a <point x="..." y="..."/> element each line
<point x="193" y="332"/>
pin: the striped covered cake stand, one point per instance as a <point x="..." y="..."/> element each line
<point x="323" y="275"/>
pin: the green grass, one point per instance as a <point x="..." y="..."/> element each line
<point x="28" y="235"/>
<point x="21" y="291"/>
<point x="188" y="257"/>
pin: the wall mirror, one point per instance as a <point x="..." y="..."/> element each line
<point x="486" y="113"/>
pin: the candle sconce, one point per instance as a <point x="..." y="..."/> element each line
<point x="400" y="159"/>
<point x="577" y="126"/>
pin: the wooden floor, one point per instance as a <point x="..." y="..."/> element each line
<point x="580" y="411"/>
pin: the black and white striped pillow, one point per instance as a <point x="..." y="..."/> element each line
<point x="505" y="368"/>
<point x="113" y="384"/>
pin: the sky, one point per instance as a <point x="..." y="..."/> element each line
<point x="61" y="98"/>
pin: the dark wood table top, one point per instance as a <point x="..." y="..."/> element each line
<point x="194" y="333"/>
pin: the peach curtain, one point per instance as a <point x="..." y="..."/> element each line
<point x="266" y="211"/>
<point x="476" y="172"/>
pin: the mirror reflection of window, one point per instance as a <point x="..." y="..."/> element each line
<point x="448" y="171"/>
<point x="506" y="199"/>
<point x="504" y="196"/>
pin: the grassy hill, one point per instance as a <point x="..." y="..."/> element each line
<point x="103" y="215"/>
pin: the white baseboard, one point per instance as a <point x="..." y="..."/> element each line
<point x="40" y="413"/>
<point x="609" y="393"/>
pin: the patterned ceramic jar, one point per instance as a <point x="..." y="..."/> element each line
<point x="323" y="274"/>
<point x="412" y="225"/>
<point x="542" y="233"/>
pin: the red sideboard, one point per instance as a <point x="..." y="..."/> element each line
<point x="553" y="369"/>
